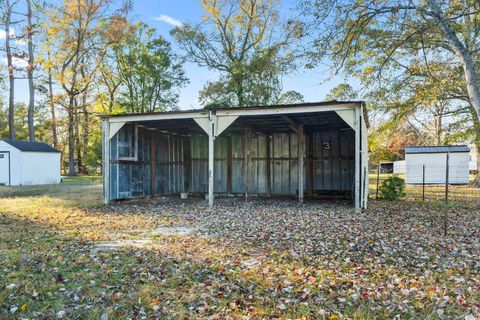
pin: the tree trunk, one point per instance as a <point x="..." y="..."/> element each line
<point x="78" y="147"/>
<point x="71" y="136"/>
<point x="240" y="93"/>
<point x="462" y="53"/>
<point x="52" y="106"/>
<point x="11" y="79"/>
<point x="31" y="89"/>
<point x="85" y="125"/>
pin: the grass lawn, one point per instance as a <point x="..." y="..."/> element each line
<point x="65" y="255"/>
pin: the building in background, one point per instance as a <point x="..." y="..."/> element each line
<point x="28" y="163"/>
<point x="399" y="167"/>
<point x="428" y="164"/>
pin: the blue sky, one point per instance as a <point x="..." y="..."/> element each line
<point x="164" y="14"/>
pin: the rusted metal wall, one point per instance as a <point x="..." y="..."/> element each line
<point x="170" y="163"/>
<point x="328" y="159"/>
<point x="333" y="167"/>
<point x="181" y="163"/>
<point x="131" y="176"/>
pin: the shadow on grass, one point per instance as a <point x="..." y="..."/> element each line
<point x="82" y="195"/>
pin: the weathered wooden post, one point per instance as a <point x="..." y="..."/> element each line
<point x="211" y="141"/>
<point x="300" y="163"/>
<point x="246" y="167"/>
<point x="106" y="160"/>
<point x="378" y="180"/>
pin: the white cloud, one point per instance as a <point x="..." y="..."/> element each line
<point x="17" y="62"/>
<point x="167" y="19"/>
<point x="3" y="33"/>
<point x="21" y="42"/>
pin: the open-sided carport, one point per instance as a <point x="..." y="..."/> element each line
<point x="301" y="150"/>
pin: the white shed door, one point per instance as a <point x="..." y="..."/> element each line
<point x="4" y="168"/>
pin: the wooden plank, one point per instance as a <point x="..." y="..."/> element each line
<point x="300" y="163"/>
<point x="268" y="168"/>
<point x="229" y="164"/>
<point x="210" y="162"/>
<point x="247" y="162"/>
<point x="310" y="169"/>
<point x="106" y="161"/>
<point x="357" y="200"/>
<point x="292" y="124"/>
<point x="152" y="163"/>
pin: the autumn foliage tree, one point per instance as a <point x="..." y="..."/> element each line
<point x="76" y="46"/>
<point x="246" y="43"/>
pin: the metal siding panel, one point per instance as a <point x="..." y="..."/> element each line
<point x="334" y="168"/>
<point x="220" y="164"/>
<point x="113" y="181"/>
<point x="238" y="185"/>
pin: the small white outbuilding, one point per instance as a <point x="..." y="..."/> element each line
<point x="428" y="164"/>
<point x="28" y="163"/>
<point x="399" y="167"/>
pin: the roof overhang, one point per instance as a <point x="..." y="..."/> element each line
<point x="336" y="114"/>
<point x="240" y="111"/>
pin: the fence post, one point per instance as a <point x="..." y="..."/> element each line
<point x="423" y="183"/>
<point x="445" y="218"/>
<point x="378" y="180"/>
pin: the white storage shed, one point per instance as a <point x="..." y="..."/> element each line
<point x="428" y="164"/>
<point x="28" y="163"/>
<point x="399" y="167"/>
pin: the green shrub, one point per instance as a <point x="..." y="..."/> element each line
<point x="392" y="188"/>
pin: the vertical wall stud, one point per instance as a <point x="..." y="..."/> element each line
<point x="106" y="161"/>
<point x="152" y="163"/>
<point x="246" y="167"/>
<point x="268" y="165"/>
<point x="300" y="162"/>
<point x="357" y="199"/>
<point x="229" y="164"/>
<point x="211" y="141"/>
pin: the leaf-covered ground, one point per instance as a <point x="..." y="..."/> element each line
<point x="64" y="255"/>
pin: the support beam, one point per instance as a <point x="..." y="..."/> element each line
<point x="246" y="167"/>
<point x="291" y="123"/>
<point x="187" y="153"/>
<point x="152" y="163"/>
<point x="229" y="165"/>
<point x="348" y="116"/>
<point x="268" y="165"/>
<point x="211" y="142"/>
<point x="222" y="123"/>
<point x="114" y="128"/>
<point x="106" y="160"/>
<point x="204" y="123"/>
<point x="310" y="165"/>
<point x="358" y="169"/>
<point x="300" y="162"/>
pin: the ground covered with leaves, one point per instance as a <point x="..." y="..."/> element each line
<point x="64" y="255"/>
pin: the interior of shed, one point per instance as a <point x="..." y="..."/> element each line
<point x="256" y="155"/>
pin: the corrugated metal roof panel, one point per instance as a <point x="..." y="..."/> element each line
<point x="30" y="146"/>
<point x="436" y="149"/>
